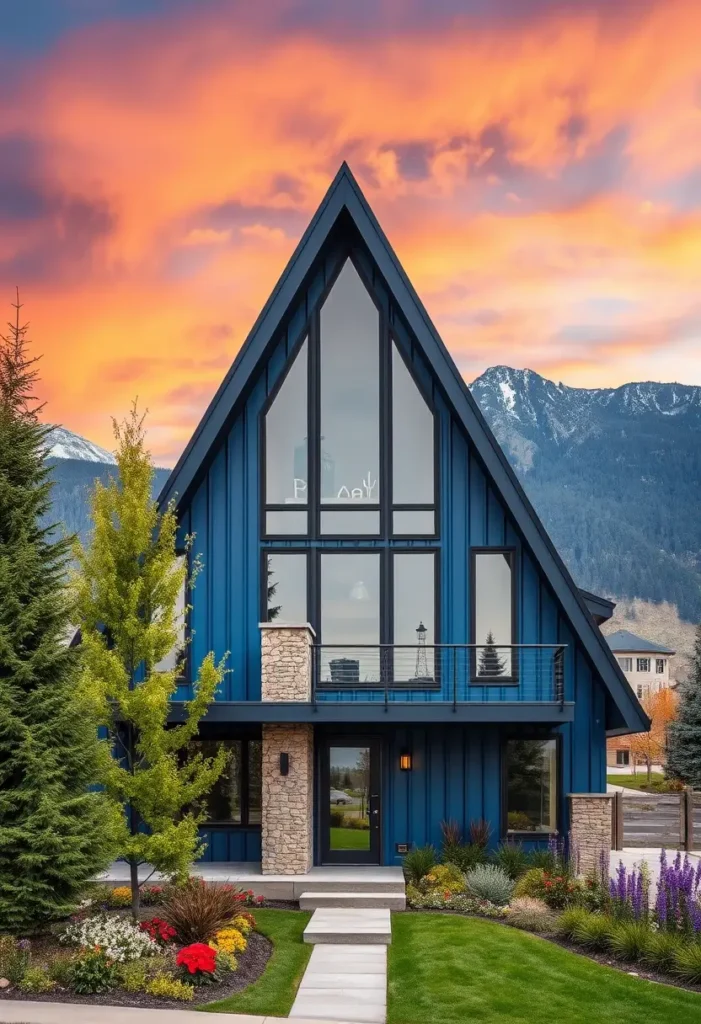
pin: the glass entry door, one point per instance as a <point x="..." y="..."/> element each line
<point x="350" y="801"/>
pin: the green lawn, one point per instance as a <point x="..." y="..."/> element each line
<point x="634" y="781"/>
<point x="449" y="970"/>
<point x="350" y="838"/>
<point x="275" y="990"/>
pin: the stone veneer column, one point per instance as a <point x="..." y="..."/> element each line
<point x="287" y="800"/>
<point x="591" y="829"/>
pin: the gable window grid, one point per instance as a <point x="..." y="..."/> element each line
<point x="643" y="665"/>
<point x="309" y="342"/>
<point x="660" y="666"/>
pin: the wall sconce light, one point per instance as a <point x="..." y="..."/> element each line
<point x="405" y="761"/>
<point x="284" y="764"/>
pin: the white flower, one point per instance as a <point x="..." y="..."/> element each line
<point x="120" y="939"/>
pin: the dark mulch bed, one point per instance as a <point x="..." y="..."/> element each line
<point x="636" y="970"/>
<point x="251" y="965"/>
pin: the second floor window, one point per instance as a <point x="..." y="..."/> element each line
<point x="660" y="666"/>
<point x="626" y="664"/>
<point x="493" y="620"/>
<point x="643" y="665"/>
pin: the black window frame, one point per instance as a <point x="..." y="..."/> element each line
<point x="660" y="666"/>
<point x="245" y="738"/>
<point x="622" y="758"/>
<point x="277" y="549"/>
<point x="539" y="736"/>
<point x="500" y="549"/>
<point x="388" y="338"/>
<point x="640" y="661"/>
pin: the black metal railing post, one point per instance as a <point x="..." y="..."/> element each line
<point x="454" y="653"/>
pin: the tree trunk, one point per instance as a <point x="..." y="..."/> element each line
<point x="649" y="770"/>
<point x="135" y="894"/>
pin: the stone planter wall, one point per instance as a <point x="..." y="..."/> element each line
<point x="591" y="829"/>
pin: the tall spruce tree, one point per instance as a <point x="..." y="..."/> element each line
<point x="684" y="745"/>
<point x="129" y="585"/>
<point x="55" y="833"/>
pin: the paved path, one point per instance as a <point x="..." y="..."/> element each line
<point x="344" y="983"/>
<point x="20" y="1011"/>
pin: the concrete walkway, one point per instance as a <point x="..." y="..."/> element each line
<point x="344" y="983"/>
<point x="20" y="1011"/>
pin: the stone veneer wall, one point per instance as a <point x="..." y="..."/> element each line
<point x="591" y="829"/>
<point x="286" y="667"/>
<point x="287" y="799"/>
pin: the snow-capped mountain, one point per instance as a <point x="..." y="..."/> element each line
<point x="530" y="414"/>
<point x="615" y="474"/>
<point x="63" y="444"/>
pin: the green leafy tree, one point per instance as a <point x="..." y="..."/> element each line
<point x="684" y="734"/>
<point x="55" y="833"/>
<point x="129" y="586"/>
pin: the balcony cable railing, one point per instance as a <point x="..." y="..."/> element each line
<point x="446" y="673"/>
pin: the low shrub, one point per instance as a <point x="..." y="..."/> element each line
<point x="197" y="910"/>
<point x="451" y="834"/>
<point x="594" y="931"/>
<point x="531" y="914"/>
<point x="594" y="895"/>
<point x="120" y="939"/>
<point x="462" y="903"/>
<point x="569" y="921"/>
<point x="544" y="858"/>
<point x="518" y="821"/>
<point x="418" y="862"/>
<point x="660" y="951"/>
<point x="687" y="962"/>
<point x="245" y="922"/>
<point x="198" y="964"/>
<point x="489" y="882"/>
<point x="480" y="832"/>
<point x="361" y="824"/>
<point x="36" y="979"/>
<point x="530" y="884"/>
<point x="628" y="939"/>
<point x="336" y="817"/>
<point x="14" y="958"/>
<point x="445" y="876"/>
<point x="229" y="940"/>
<point x="164" y="987"/>
<point x="465" y="856"/>
<point x="61" y="968"/>
<point x="133" y="976"/>
<point x="511" y="858"/>
<point x="560" y="891"/>
<point x="93" y="971"/>
<point x="119" y="897"/>
<point x="152" y="895"/>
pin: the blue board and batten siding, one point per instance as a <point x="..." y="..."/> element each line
<point x="222" y="511"/>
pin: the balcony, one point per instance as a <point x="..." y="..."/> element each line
<point x="453" y="674"/>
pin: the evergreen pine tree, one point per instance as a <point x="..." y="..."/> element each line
<point x="128" y="594"/>
<point x="490" y="664"/>
<point x="55" y="833"/>
<point x="684" y="749"/>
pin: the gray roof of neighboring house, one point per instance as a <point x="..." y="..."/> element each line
<point x="624" y="640"/>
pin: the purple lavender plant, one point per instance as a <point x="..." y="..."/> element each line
<point x="677" y="905"/>
<point x="628" y="893"/>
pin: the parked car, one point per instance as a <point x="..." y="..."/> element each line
<point x="339" y="797"/>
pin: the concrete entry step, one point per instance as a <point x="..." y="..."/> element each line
<point x="347" y="879"/>
<point x="353" y="900"/>
<point x="349" y="927"/>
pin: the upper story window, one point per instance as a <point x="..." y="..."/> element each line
<point x="660" y="666"/>
<point x="643" y="665"/>
<point x="626" y="664"/>
<point x="348" y="435"/>
<point x="493" y="619"/>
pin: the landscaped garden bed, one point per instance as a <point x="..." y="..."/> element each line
<point x="193" y="944"/>
<point x="618" y="921"/>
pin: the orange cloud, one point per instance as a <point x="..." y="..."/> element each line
<point x="536" y="179"/>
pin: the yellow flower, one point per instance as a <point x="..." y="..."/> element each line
<point x="242" y="924"/>
<point x="230" y="940"/>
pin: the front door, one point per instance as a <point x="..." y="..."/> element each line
<point x="350" y="801"/>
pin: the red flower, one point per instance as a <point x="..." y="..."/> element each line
<point x="259" y="899"/>
<point x="197" y="957"/>
<point x="548" y="884"/>
<point x="158" y="929"/>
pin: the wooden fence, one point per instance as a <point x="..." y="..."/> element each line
<point x="672" y="820"/>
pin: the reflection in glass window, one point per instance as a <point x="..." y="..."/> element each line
<point x="286" y="438"/>
<point x="350" y="614"/>
<point x="415" y="521"/>
<point x="285" y="522"/>
<point x="349" y="522"/>
<point x="412" y="439"/>
<point x="493" y="614"/>
<point x="177" y="655"/>
<point x="531" y="785"/>
<point x="350" y="393"/>
<point x="223" y="802"/>
<point x="414" y="602"/>
<point x="286" y="583"/>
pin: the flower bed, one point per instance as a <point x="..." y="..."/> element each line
<point x="202" y="946"/>
<point x="619" y="920"/>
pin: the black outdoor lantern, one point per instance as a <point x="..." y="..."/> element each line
<point x="284" y="764"/>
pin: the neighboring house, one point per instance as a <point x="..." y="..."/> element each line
<point x="646" y="667"/>
<point x="401" y="630"/>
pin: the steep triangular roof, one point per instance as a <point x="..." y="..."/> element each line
<point x="345" y="194"/>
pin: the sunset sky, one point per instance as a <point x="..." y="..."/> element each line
<point x="536" y="164"/>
